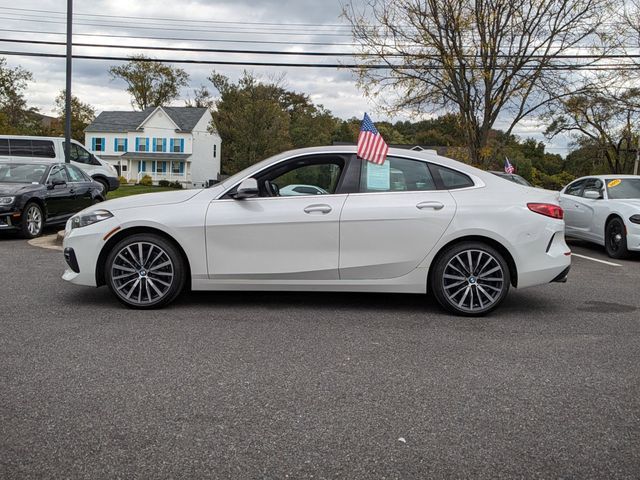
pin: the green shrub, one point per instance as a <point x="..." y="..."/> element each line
<point x="164" y="183"/>
<point x="122" y="180"/>
<point x="147" y="181"/>
<point x="177" y="185"/>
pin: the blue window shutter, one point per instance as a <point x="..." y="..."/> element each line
<point x="164" y="144"/>
<point x="164" y="167"/>
<point x="153" y="144"/>
<point x="104" y="144"/>
<point x="144" y="166"/>
<point x="182" y="145"/>
<point x="93" y="144"/>
<point x="139" y="167"/>
<point x="181" y="168"/>
<point x="137" y="144"/>
<point x="126" y="142"/>
<point x="171" y="145"/>
<point x="146" y="144"/>
<point x="115" y="144"/>
<point x="153" y="166"/>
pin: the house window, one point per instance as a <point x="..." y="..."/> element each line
<point x="215" y="151"/>
<point x="98" y="144"/>
<point x="159" y="167"/>
<point x="175" y="167"/>
<point x="141" y="144"/>
<point x="177" y="145"/>
<point x="121" y="145"/>
<point x="123" y="168"/>
<point x="158" y="145"/>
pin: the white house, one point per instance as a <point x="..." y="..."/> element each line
<point x="166" y="143"/>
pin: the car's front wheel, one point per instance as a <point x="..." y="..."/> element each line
<point x="104" y="184"/>
<point x="145" y="271"/>
<point x="32" y="220"/>
<point x="615" y="239"/>
<point x="470" y="279"/>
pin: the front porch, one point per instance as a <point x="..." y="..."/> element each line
<point x="171" y="167"/>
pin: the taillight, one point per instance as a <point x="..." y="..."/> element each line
<point x="547" y="209"/>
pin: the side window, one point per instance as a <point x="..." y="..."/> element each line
<point x="20" y="147"/>
<point x="594" y="184"/>
<point x="4" y="146"/>
<point x="311" y="179"/>
<point x="451" y="179"/>
<point x="75" y="174"/>
<point x="57" y="173"/>
<point x="79" y="154"/>
<point x="396" y="175"/>
<point x="43" y="148"/>
<point x="575" y="188"/>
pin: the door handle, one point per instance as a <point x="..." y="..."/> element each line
<point x="433" y="205"/>
<point x="318" y="208"/>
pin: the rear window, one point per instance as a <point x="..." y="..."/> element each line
<point x="43" y="148"/>
<point x="451" y="179"/>
<point x="20" y="147"/>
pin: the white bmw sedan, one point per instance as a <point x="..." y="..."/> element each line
<point x="604" y="209"/>
<point x="418" y="222"/>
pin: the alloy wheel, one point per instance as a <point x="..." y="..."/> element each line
<point x="34" y="220"/>
<point x="473" y="280"/>
<point x="142" y="273"/>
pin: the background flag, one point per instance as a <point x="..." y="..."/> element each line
<point x="508" y="168"/>
<point x="371" y="145"/>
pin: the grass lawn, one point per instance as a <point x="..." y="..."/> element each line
<point x="125" y="191"/>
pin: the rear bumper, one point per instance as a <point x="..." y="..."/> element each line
<point x="562" y="277"/>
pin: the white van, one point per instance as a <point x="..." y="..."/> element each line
<point x="18" y="148"/>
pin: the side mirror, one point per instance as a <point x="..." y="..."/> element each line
<point x="247" y="189"/>
<point x="592" y="195"/>
<point x="56" y="183"/>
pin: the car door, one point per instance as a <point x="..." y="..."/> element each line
<point x="58" y="197"/>
<point x="571" y="207"/>
<point x="274" y="237"/>
<point x="80" y="188"/>
<point x="393" y="222"/>
<point x="590" y="208"/>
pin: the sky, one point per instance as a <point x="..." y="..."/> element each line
<point x="334" y="88"/>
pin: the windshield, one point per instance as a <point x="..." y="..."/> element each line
<point x="22" y="172"/>
<point x="622" y="188"/>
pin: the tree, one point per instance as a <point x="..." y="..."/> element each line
<point x="15" y="116"/>
<point x="150" y="83"/>
<point x="476" y="58"/>
<point x="82" y="114"/>
<point x="608" y="118"/>
<point x="201" y="98"/>
<point x="250" y="121"/>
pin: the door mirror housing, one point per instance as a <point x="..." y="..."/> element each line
<point x="248" y="188"/>
<point x="56" y="183"/>
<point x="592" y="194"/>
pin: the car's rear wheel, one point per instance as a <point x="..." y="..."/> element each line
<point x="32" y="220"/>
<point x="615" y="239"/>
<point x="470" y="279"/>
<point x="145" y="271"/>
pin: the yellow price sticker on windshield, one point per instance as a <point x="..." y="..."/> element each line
<point x="614" y="183"/>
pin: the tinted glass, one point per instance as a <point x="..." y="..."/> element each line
<point x="22" y="173"/>
<point x="619" y="188"/>
<point x="43" y="148"/>
<point x="79" y="154"/>
<point x="575" y="188"/>
<point x="319" y="178"/>
<point x="396" y="175"/>
<point x="57" y="173"/>
<point x="75" y="174"/>
<point x="595" y="185"/>
<point x="451" y="179"/>
<point x="4" y="146"/>
<point x="20" y="148"/>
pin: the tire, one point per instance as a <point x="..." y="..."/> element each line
<point x="470" y="288"/>
<point x="32" y="222"/>
<point x="105" y="185"/>
<point x="615" y="239"/>
<point x="156" y="283"/>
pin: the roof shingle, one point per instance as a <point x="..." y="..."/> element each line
<point x="126" y="121"/>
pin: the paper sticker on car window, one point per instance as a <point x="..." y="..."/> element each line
<point x="378" y="176"/>
<point x="614" y="183"/>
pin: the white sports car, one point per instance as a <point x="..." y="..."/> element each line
<point x="604" y="209"/>
<point x="418" y="221"/>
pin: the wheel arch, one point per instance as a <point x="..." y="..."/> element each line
<point x="108" y="246"/>
<point x="41" y="203"/>
<point x="513" y="270"/>
<point x="102" y="179"/>
<point x="612" y="216"/>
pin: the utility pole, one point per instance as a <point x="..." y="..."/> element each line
<point x="635" y="167"/>
<point x="67" y="101"/>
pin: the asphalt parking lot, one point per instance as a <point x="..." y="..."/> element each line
<point x="284" y="385"/>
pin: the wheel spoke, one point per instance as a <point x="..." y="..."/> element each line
<point x="466" y="292"/>
<point x="135" y="284"/>
<point x="164" y="264"/>
<point x="494" y="269"/>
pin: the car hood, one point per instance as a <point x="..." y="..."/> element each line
<point x="18" y="188"/>
<point x="149" y="199"/>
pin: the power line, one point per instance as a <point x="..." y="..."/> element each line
<point x="604" y="67"/>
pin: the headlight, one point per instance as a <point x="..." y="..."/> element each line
<point x="6" y="200"/>
<point x="635" y="219"/>
<point x="90" y="218"/>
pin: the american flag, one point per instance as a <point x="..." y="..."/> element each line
<point x="371" y="145"/>
<point x="508" y="168"/>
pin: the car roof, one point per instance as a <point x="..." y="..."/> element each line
<point x="606" y="176"/>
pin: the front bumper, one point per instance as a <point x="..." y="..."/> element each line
<point x="633" y="237"/>
<point x="114" y="183"/>
<point x="9" y="221"/>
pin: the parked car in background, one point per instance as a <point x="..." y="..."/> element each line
<point x="512" y="177"/>
<point x="17" y="148"/>
<point x="33" y="195"/>
<point x="418" y="221"/>
<point x="604" y="209"/>
<point x="297" y="189"/>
